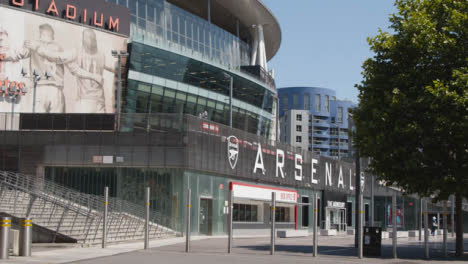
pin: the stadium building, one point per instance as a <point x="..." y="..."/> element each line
<point x="168" y="94"/>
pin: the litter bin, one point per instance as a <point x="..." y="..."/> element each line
<point x="372" y="241"/>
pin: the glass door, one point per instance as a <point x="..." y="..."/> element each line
<point x="206" y="216"/>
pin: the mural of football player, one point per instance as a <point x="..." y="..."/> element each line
<point x="4" y="48"/>
<point x="49" y="91"/>
<point x="89" y="59"/>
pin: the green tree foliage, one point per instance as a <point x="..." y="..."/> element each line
<point x="412" y="119"/>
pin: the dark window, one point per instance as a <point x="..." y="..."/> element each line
<point x="244" y="213"/>
<point x="298" y="128"/>
<point x="282" y="214"/>
<point x="298" y="117"/>
<point x="349" y="213"/>
<point x="298" y="139"/>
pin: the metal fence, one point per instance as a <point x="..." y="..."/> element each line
<point x="74" y="214"/>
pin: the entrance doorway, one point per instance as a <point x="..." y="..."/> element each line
<point x="206" y="216"/>
<point x="349" y="211"/>
<point x="335" y="218"/>
<point x="305" y="211"/>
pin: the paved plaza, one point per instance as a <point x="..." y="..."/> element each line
<point x="204" y="250"/>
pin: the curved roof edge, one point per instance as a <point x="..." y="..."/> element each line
<point x="248" y="12"/>
<point x="255" y="12"/>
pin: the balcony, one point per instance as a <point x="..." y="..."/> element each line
<point x="319" y="122"/>
<point x="320" y="144"/>
<point x="320" y="133"/>
<point x="260" y="74"/>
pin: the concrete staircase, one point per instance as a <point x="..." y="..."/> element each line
<point x="66" y="212"/>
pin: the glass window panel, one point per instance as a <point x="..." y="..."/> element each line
<point x="157" y="90"/>
<point x="248" y="210"/>
<point x="318" y="106"/>
<point x="242" y="212"/>
<point x="132" y="6"/>
<point x="327" y="103"/>
<point x="141" y="9"/>
<point x="307" y="101"/>
<point x="340" y="114"/>
<point x="254" y="213"/>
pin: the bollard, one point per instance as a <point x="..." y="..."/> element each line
<point x="104" y="218"/>
<point x="315" y="222"/>
<point x="420" y="218"/>
<point x="394" y="226"/>
<point x="273" y="221"/>
<point x="231" y="207"/>
<point x="5" y="225"/>
<point x="426" y="232"/>
<point x="452" y="203"/>
<point x="187" y="216"/>
<point x="360" y="226"/>
<point x="444" y="247"/>
<point x="25" y="237"/>
<point x="147" y="205"/>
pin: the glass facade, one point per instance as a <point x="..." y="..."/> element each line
<point x="407" y="212"/>
<point x="149" y="98"/>
<point x="165" y="25"/>
<point x="168" y="65"/>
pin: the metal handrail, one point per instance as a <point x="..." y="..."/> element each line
<point x="126" y="219"/>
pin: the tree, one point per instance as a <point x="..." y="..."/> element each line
<point x="412" y="119"/>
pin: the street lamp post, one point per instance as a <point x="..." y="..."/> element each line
<point x="119" y="55"/>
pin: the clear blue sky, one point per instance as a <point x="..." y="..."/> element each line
<point x="324" y="41"/>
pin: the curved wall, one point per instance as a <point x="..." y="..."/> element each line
<point x="186" y="55"/>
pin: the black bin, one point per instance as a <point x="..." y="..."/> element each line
<point x="372" y="243"/>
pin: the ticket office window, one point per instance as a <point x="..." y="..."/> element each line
<point x="283" y="214"/>
<point x="245" y="213"/>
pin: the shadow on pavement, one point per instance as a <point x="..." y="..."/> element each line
<point x="305" y="249"/>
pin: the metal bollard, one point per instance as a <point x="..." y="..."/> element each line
<point x="426" y="232"/>
<point x="360" y="227"/>
<point x="273" y="222"/>
<point x="444" y="247"/>
<point x="231" y="207"/>
<point x="104" y="218"/>
<point x="420" y="218"/>
<point x="394" y="226"/>
<point x="25" y="237"/>
<point x="452" y="203"/>
<point x="187" y="215"/>
<point x="147" y="205"/>
<point x="315" y="222"/>
<point x="5" y="225"/>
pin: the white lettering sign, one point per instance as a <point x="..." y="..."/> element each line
<point x="279" y="165"/>
<point x="335" y="204"/>
<point x="259" y="160"/>
<point x="328" y="174"/>
<point x="298" y="170"/>
<point x="313" y="171"/>
<point x="340" y="178"/>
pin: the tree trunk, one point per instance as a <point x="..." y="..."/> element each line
<point x="459" y="224"/>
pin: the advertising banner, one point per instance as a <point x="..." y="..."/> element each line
<point x="72" y="64"/>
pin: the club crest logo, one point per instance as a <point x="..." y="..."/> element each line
<point x="233" y="151"/>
